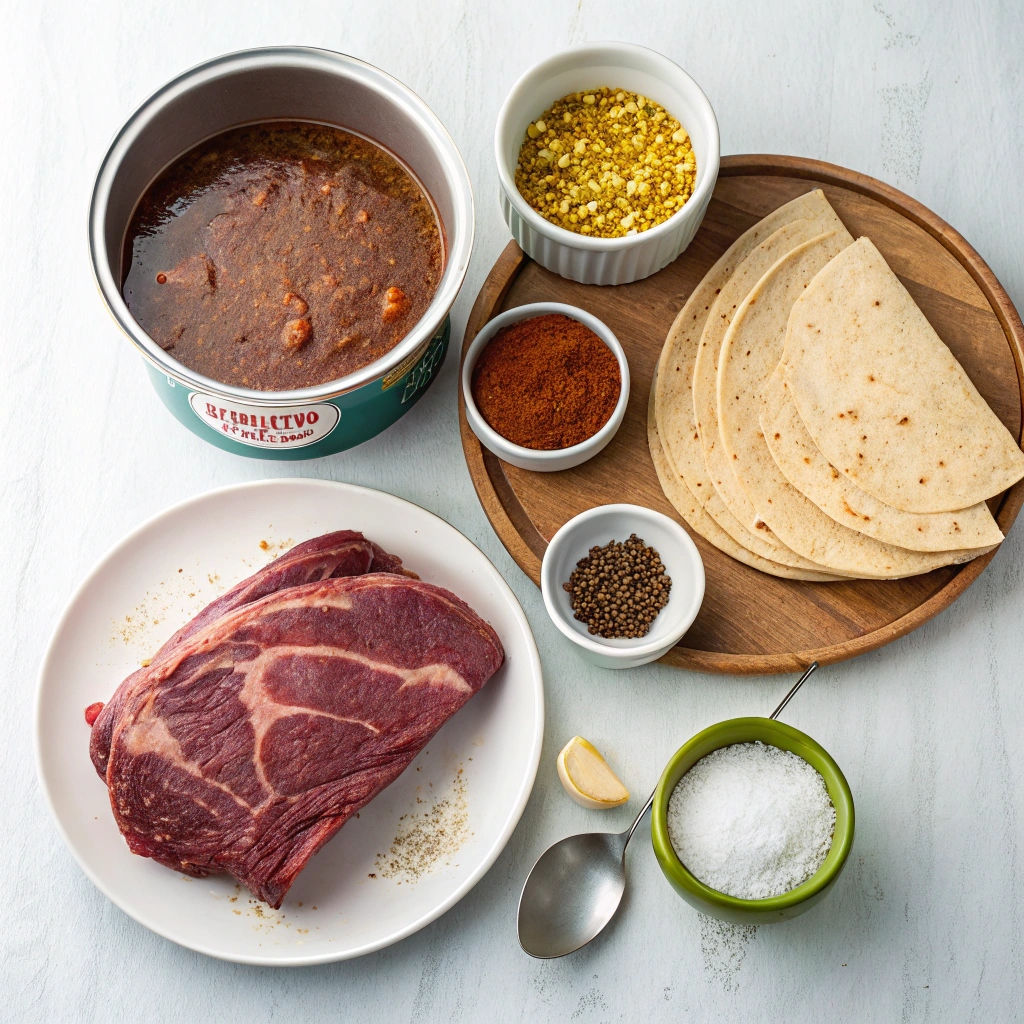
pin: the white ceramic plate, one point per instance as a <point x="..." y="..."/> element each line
<point x="414" y="851"/>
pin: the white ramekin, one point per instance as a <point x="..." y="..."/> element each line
<point x="598" y="526"/>
<point x="616" y="65"/>
<point x="531" y="458"/>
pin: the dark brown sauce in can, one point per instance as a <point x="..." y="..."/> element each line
<point x="282" y="255"/>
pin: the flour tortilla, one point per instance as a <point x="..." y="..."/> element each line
<point x="749" y="354"/>
<point x="672" y="389"/>
<point x="821" y="218"/>
<point x="841" y="499"/>
<point x="699" y="521"/>
<point x="751" y="349"/>
<point x="884" y="399"/>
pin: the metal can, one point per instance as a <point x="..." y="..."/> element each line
<point x="286" y="83"/>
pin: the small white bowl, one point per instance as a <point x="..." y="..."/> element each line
<point x="532" y="458"/>
<point x="598" y="526"/>
<point x="617" y="65"/>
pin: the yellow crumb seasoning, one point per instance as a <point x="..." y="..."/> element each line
<point x="606" y="163"/>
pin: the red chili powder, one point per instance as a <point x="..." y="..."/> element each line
<point x="546" y="383"/>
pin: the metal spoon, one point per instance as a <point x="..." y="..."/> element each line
<point x="796" y="686"/>
<point x="576" y="886"/>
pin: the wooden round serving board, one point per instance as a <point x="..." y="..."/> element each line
<point x="751" y="622"/>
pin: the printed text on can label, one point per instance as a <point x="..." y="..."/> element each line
<point x="284" y="427"/>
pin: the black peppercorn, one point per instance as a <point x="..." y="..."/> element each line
<point x="619" y="589"/>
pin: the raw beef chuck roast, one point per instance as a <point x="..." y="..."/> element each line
<point x="250" y="740"/>
<point x="343" y="553"/>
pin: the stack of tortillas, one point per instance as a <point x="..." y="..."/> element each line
<point x="807" y="420"/>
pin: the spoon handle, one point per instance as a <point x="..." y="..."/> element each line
<point x="639" y="818"/>
<point x="796" y="686"/>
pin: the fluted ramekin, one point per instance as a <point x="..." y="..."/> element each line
<point x="616" y="65"/>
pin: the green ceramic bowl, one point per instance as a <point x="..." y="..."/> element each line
<point x="731" y="908"/>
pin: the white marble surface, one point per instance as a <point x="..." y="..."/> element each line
<point x="927" y="922"/>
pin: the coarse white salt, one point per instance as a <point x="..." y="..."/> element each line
<point x="751" y="820"/>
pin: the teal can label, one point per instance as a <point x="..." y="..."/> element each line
<point x="281" y="428"/>
<point x="310" y="430"/>
<point x="423" y="372"/>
